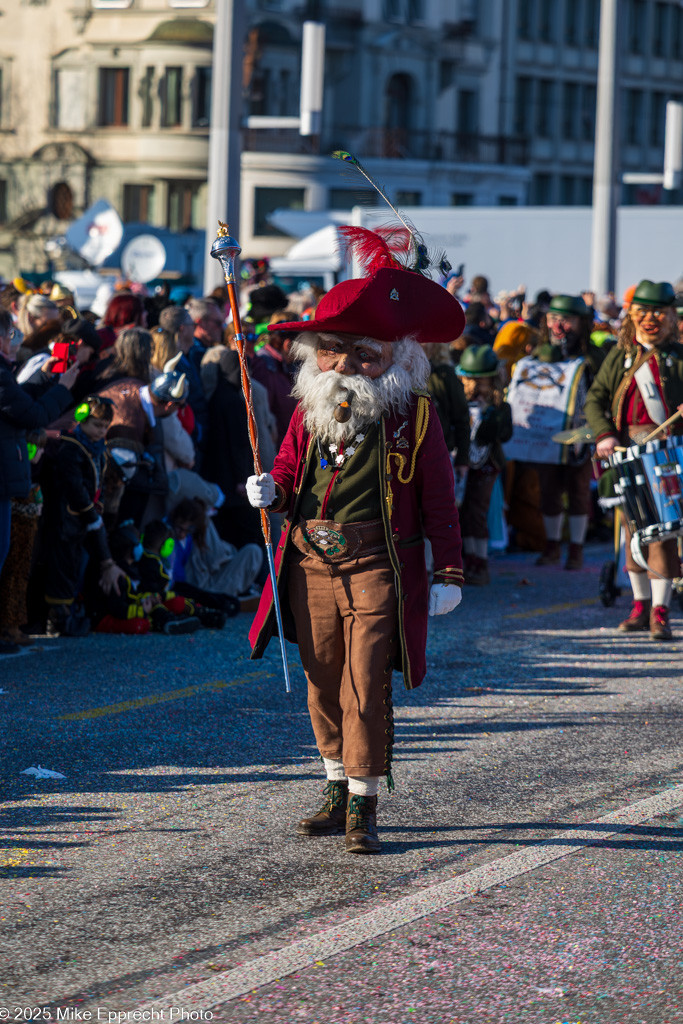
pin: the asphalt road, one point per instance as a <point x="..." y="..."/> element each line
<point x="532" y="862"/>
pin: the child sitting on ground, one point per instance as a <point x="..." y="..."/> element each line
<point x="133" y="609"/>
<point x="158" y="547"/>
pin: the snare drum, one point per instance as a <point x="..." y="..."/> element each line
<point x="648" y="481"/>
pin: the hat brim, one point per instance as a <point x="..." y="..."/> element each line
<point x="475" y="376"/>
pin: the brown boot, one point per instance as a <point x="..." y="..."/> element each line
<point x="659" y="623"/>
<point x="330" y="820"/>
<point x="551" y="554"/>
<point x="575" y="557"/>
<point x="361" y="825"/>
<point x="639" y="618"/>
<point x="13" y="635"/>
<point x="477" y="574"/>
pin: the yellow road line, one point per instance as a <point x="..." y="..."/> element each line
<point x="552" y="609"/>
<point x="158" y="698"/>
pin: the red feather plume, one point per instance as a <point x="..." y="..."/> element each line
<point x="375" y="249"/>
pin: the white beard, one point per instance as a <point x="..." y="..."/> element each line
<point x="320" y="393"/>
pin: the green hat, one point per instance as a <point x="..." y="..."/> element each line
<point x="568" y="305"/>
<point x="477" y="361"/>
<point x="649" y="293"/>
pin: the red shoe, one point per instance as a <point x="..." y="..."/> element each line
<point x="639" y="618"/>
<point x="659" y="623"/>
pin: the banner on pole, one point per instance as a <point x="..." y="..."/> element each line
<point x="545" y="398"/>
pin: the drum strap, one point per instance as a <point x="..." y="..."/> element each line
<point x="649" y="391"/>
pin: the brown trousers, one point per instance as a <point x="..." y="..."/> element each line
<point x="346" y="618"/>
<point x="661" y="557"/>
<point x="575" y="481"/>
<point x="16" y="572"/>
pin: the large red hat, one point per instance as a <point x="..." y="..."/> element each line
<point x="390" y="304"/>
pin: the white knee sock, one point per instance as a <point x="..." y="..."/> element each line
<point x="578" y="526"/>
<point x="366" y="785"/>
<point x="640" y="585"/>
<point x="553" y="527"/>
<point x="661" y="593"/>
<point x="481" y="547"/>
<point x="335" y="770"/>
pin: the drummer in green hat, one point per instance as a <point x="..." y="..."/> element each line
<point x="569" y="325"/>
<point x="639" y="386"/>
<point x="490" y="428"/>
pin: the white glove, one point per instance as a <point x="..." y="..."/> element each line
<point x="261" y="490"/>
<point x="443" y="598"/>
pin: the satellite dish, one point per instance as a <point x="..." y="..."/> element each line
<point x="97" y="234"/>
<point x="143" y="258"/>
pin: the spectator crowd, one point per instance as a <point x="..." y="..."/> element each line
<point x="124" y="450"/>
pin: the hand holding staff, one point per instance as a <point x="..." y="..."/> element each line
<point x="226" y="249"/>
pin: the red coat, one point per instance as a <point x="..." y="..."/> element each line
<point x="422" y="506"/>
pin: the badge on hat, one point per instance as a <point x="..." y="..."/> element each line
<point x="394" y="294"/>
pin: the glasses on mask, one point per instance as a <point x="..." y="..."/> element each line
<point x="639" y="313"/>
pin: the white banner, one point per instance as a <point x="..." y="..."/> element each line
<point x="543" y="401"/>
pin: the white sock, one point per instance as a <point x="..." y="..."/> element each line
<point x="468" y="545"/>
<point x="578" y="525"/>
<point x="553" y="527"/>
<point x="661" y="593"/>
<point x="364" y="785"/>
<point x="640" y="585"/>
<point x="481" y="547"/>
<point x="335" y="770"/>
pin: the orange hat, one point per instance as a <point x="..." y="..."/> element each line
<point x="628" y="296"/>
<point x="511" y="343"/>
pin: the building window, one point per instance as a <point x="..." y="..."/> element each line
<point x="462" y="199"/>
<point x="657" y="118"/>
<point x="347" y="198"/>
<point x="3" y="201"/>
<point x="585" y="191"/>
<point x="566" y="190"/>
<point x="446" y="74"/>
<point x="542" y="190"/>
<point x="62" y="201"/>
<point x="468" y="112"/>
<point x="523" y="105"/>
<point x="201" y="106"/>
<point x="544" y="109"/>
<point x="637" y="13"/>
<point x="172" y="98"/>
<point x="570" y="110"/>
<point x="507" y="201"/>
<point x="633" y="116"/>
<point x="113" y="97"/>
<point x="571" y="22"/>
<point x="68" y="104"/>
<point x="525" y="19"/>
<point x="408" y="198"/>
<point x="660" y="46"/>
<point x="284" y="92"/>
<point x="592" y="28"/>
<point x="138" y="204"/>
<point x="392" y="10"/>
<point x="147" y="96"/>
<point x="677" y="33"/>
<point x="416" y="10"/>
<point x="182" y="211"/>
<point x="546" y="20"/>
<point x="589" y="100"/>
<point x="267" y="200"/>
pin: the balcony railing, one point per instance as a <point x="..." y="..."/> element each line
<point x="394" y="144"/>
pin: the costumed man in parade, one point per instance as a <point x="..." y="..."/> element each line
<point x="363" y="476"/>
<point x="490" y="428"/>
<point x="547" y="394"/>
<point x="639" y="386"/>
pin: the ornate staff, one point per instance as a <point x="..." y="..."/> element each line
<point x="225" y="248"/>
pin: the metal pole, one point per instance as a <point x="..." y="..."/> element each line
<point x="606" y="172"/>
<point x="223" y="188"/>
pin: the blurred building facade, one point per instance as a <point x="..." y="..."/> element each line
<point x="448" y="102"/>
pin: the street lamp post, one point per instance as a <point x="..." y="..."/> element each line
<point x="223" y="199"/>
<point x="606" y="173"/>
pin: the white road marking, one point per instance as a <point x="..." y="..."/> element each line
<point x="328" y="943"/>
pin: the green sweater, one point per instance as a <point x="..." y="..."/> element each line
<point x="606" y="402"/>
